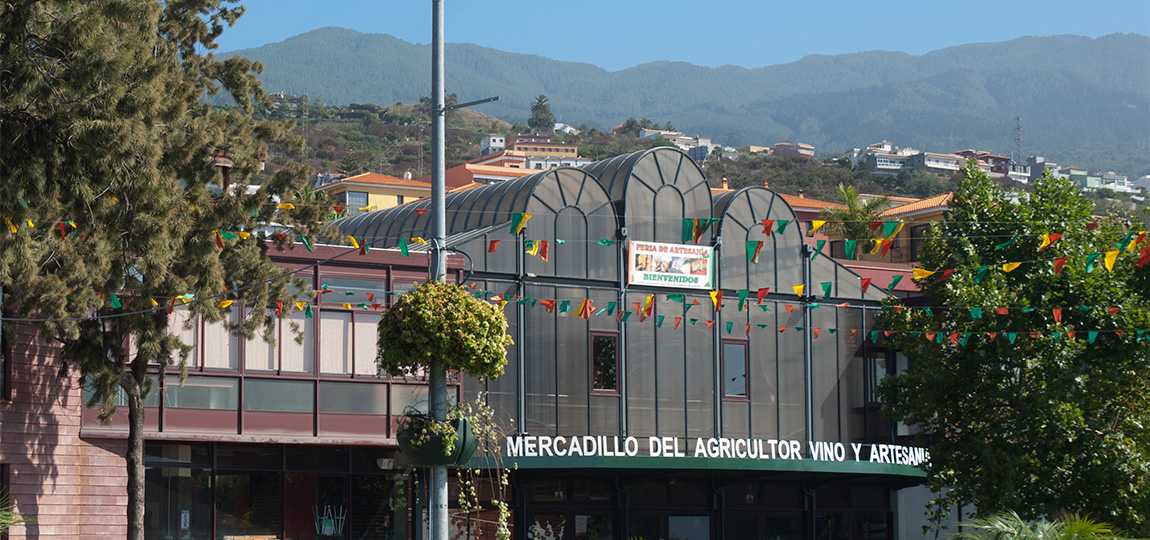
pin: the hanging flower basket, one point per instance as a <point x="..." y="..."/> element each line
<point x="427" y="443"/>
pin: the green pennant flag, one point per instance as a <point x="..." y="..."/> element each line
<point x="764" y="307"/>
<point x="849" y="247"/>
<point x="1056" y="336"/>
<point x="517" y="221"/>
<point x="981" y="273"/>
<point x="1007" y="243"/>
<point x="730" y="326"/>
<point x="1090" y="259"/>
<point x="604" y="242"/>
<point x="306" y="244"/>
<point x="965" y="337"/>
<point x="832" y="330"/>
<point x="1138" y="335"/>
<point x="115" y="300"/>
<point x="403" y="247"/>
<point x="560" y="241"/>
<point x="688" y="230"/>
<point x="894" y="281"/>
<point x="782" y="223"/>
<point x="888" y="228"/>
<point x="827" y="285"/>
<point x="1084" y="308"/>
<point x="939" y="338"/>
<point x="743" y="297"/>
<point x="1125" y="241"/>
<point x="611" y="307"/>
<point x="677" y="297"/>
<point x="523" y="300"/>
<point x="228" y="235"/>
<point x="601" y="311"/>
<point x="693" y="321"/>
<point x="349" y="293"/>
<point x="1093" y="335"/>
<point x="659" y="321"/>
<point x="253" y="212"/>
<point x="818" y="249"/>
<point x="800" y="329"/>
<point x="927" y="310"/>
<point x="762" y="326"/>
<point x="976" y="313"/>
<point x="814" y="305"/>
<point x="626" y="315"/>
<point x="1012" y="336"/>
<point x="307" y="314"/>
<point x="362" y="306"/>
<point x="915" y="333"/>
<point x="754" y="247"/>
<point x="564" y="306"/>
<point x="1027" y="309"/>
<point x="534" y="301"/>
<point x="874" y="336"/>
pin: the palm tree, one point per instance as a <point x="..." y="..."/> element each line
<point x="541" y="119"/>
<point x="8" y="514"/>
<point x="1011" y="526"/>
<point x="852" y="220"/>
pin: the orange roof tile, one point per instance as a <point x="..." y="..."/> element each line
<point x="804" y="202"/>
<point x="929" y="203"/>
<point x="376" y="179"/>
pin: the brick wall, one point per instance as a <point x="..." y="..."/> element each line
<point x="70" y="487"/>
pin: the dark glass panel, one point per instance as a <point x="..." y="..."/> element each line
<point x="177" y="503"/>
<point x="371" y="517"/>
<point x="249" y="456"/>
<point x="593" y="490"/>
<point x="249" y="503"/>
<point x="605" y="359"/>
<point x="317" y="458"/>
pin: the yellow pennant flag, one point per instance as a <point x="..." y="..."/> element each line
<point x="798" y="289"/>
<point x="346" y="305"/>
<point x="1009" y="267"/>
<point x="287" y="206"/>
<point x="224" y="303"/>
<point x="920" y="273"/>
<point x="30" y="225"/>
<point x="815" y="226"/>
<point x="717" y="299"/>
<point x="419" y="240"/>
<point x="154" y="302"/>
<point x="891" y="236"/>
<point x="1111" y="256"/>
<point x="245" y="235"/>
<point x="354" y="242"/>
<point x="12" y="227"/>
<point x="365" y="208"/>
<point x="301" y="305"/>
<point x="877" y="245"/>
<point x="534" y="249"/>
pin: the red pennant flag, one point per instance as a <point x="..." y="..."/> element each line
<point x="338" y="208"/>
<point x="1093" y="225"/>
<point x="1058" y="264"/>
<point x="219" y="241"/>
<point x="887" y="333"/>
<point x="1052" y="238"/>
<point x="954" y="338"/>
<point x="1070" y="334"/>
<point x="784" y="328"/>
<point x="376" y="306"/>
<point x="543" y="249"/>
<point x="768" y="224"/>
<point x="678" y="321"/>
<point x="1035" y="335"/>
<point x="1143" y="256"/>
<point x="1002" y="311"/>
<point x="789" y="308"/>
<point x="370" y="297"/>
<point x="638" y="308"/>
<point x="279" y="308"/>
<point x="898" y="309"/>
<point x="874" y="225"/>
<point x="421" y="211"/>
<point x="865" y="284"/>
<point x="814" y="331"/>
<point x="763" y="292"/>
<point x="1057" y="314"/>
<point x="491" y="246"/>
<point x="710" y="324"/>
<point x="853" y="332"/>
<point x="930" y="336"/>
<point x="885" y="249"/>
<point x="992" y="335"/>
<point x="585" y="309"/>
<point x="1112" y="310"/>
<point x="1119" y="332"/>
<point x="748" y="332"/>
<point x="549" y="304"/>
<point x="945" y="274"/>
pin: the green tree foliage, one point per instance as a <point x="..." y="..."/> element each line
<point x="1031" y="424"/>
<point x="852" y="221"/>
<point x="109" y="164"/>
<point x="541" y="119"/>
<point x="1011" y="526"/>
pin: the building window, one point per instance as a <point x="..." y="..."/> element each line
<point x="605" y="363"/>
<point x="399" y="199"/>
<point x="735" y="364"/>
<point x="354" y="200"/>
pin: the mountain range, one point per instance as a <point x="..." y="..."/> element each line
<point x="1081" y="101"/>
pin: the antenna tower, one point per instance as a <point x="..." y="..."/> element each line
<point x="1017" y="139"/>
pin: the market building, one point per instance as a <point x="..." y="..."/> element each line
<point x="684" y="366"/>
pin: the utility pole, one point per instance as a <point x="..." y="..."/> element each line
<point x="437" y="381"/>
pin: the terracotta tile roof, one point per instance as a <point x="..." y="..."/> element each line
<point x="377" y="179"/>
<point x="501" y="171"/>
<point x="804" y="202"/>
<point x="929" y="203"/>
<point x="466" y="187"/>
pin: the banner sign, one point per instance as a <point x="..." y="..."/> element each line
<point x="670" y="265"/>
<point x="713" y="447"/>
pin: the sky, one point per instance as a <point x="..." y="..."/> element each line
<point x="618" y="34"/>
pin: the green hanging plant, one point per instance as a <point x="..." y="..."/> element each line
<point x="442" y="325"/>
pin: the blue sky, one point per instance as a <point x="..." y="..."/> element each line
<point x="617" y="34"/>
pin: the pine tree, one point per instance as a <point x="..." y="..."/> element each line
<point x="114" y="196"/>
